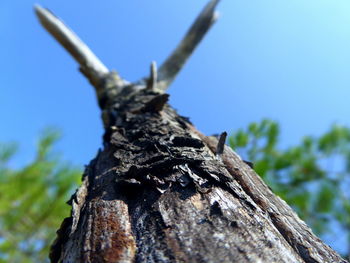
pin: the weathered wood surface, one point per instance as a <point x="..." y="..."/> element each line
<point x="160" y="191"/>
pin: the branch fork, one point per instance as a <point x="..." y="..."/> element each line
<point x="97" y="73"/>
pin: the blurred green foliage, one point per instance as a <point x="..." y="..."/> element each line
<point x="33" y="201"/>
<point x="313" y="176"/>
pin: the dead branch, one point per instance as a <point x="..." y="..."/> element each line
<point x="174" y="63"/>
<point x="90" y="65"/>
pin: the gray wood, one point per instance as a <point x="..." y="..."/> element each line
<point x="174" y="63"/>
<point x="87" y="60"/>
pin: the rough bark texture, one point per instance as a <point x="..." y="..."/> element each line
<point x="159" y="193"/>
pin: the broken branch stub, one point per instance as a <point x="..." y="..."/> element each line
<point x="174" y="63"/>
<point x="221" y="144"/>
<point x="152" y="80"/>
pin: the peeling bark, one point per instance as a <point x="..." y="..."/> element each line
<point x="158" y="193"/>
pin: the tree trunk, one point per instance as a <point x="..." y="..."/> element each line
<point x="160" y="191"/>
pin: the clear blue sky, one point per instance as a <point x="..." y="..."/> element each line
<point x="286" y="60"/>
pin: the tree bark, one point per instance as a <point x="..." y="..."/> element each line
<point x="160" y="191"/>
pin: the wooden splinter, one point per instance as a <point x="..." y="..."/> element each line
<point x="153" y="78"/>
<point x="221" y="144"/>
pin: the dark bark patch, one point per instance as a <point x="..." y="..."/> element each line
<point x="129" y="188"/>
<point x="156" y="104"/>
<point x="305" y="253"/>
<point x="269" y="244"/>
<point x="62" y="238"/>
<point x="215" y="209"/>
<point x="180" y="141"/>
<point x="183" y="121"/>
<point x="233" y="224"/>
<point x="153" y="104"/>
<point x="250" y="164"/>
<point x="184" y="180"/>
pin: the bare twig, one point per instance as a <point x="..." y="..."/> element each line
<point x="153" y="78"/>
<point x="90" y="65"/>
<point x="221" y="144"/>
<point x="171" y="67"/>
